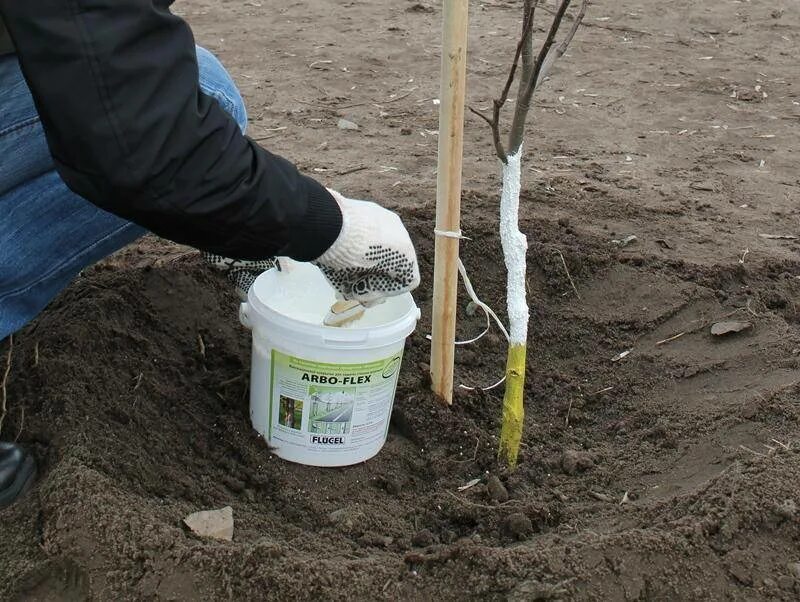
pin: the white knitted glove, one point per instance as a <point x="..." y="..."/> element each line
<point x="242" y="274"/>
<point x="373" y="257"/>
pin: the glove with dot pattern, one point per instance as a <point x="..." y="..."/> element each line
<point x="242" y="274"/>
<point x="373" y="257"/>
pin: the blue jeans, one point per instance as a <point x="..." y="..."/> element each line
<point x="48" y="234"/>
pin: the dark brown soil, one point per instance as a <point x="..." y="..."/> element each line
<point x="671" y="474"/>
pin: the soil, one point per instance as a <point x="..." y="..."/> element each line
<point x="669" y="474"/>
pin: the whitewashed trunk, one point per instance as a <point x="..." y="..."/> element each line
<point x="515" y="248"/>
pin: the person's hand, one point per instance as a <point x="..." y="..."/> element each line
<point x="242" y="274"/>
<point x="373" y="257"/>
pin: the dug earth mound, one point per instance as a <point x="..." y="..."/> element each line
<point x="668" y="474"/>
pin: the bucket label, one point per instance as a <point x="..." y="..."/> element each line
<point x="341" y="407"/>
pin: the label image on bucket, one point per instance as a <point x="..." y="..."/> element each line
<point x="339" y="407"/>
<point x="290" y="413"/>
<point x="331" y="410"/>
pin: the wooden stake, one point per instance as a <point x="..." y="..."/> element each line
<point x="448" y="195"/>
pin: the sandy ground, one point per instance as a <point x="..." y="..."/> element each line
<point x="671" y="474"/>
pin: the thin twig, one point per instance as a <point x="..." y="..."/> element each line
<point x="201" y="345"/>
<point x="21" y="423"/>
<point x="396" y="98"/>
<point x="752" y="451"/>
<point x="267" y="137"/>
<point x="36" y="354"/>
<point x="346" y="172"/>
<point x="566" y="269"/>
<point x="4" y="400"/>
<point x="670" y="339"/>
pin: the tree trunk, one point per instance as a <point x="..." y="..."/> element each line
<point x="515" y="247"/>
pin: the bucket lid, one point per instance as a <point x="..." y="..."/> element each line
<point x="296" y="299"/>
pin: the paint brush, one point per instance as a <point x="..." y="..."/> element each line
<point x="343" y="313"/>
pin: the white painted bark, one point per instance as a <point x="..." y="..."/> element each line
<point x="515" y="248"/>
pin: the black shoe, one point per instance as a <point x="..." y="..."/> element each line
<point x="17" y="472"/>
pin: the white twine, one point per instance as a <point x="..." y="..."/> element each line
<point x="451" y="234"/>
<point x="488" y="311"/>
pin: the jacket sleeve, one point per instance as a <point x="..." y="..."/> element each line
<point x="115" y="83"/>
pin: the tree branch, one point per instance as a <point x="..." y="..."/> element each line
<point x="497" y="105"/>
<point x="525" y="39"/>
<point x="527" y="42"/>
<point x="559" y="51"/>
<point x="494" y="123"/>
<point x="543" y="60"/>
<point x="534" y="71"/>
<point x="480" y="114"/>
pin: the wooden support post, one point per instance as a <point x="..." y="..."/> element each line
<point x="448" y="195"/>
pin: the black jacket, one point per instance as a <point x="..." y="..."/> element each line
<point x="115" y="83"/>
<point x="6" y="47"/>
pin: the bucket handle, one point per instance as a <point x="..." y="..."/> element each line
<point x="346" y="338"/>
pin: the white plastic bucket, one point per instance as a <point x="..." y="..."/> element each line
<point x="322" y="395"/>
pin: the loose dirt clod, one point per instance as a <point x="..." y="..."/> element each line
<point x="423" y="538"/>
<point x="517" y="526"/>
<point x="573" y="461"/>
<point x="497" y="491"/>
<point x="215" y="524"/>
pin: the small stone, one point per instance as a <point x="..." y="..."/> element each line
<point x="405" y="131"/>
<point x="786" y="582"/>
<point x="770" y="582"/>
<point x="794" y="569"/>
<point x="423" y="539"/>
<point x="786" y="509"/>
<point x="721" y="329"/>
<point x="574" y="461"/>
<point x="345" y="124"/>
<point x="215" y="524"/>
<point x="497" y="491"/>
<point x="518" y="526"/>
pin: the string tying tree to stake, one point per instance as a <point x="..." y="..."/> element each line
<point x="534" y="69"/>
